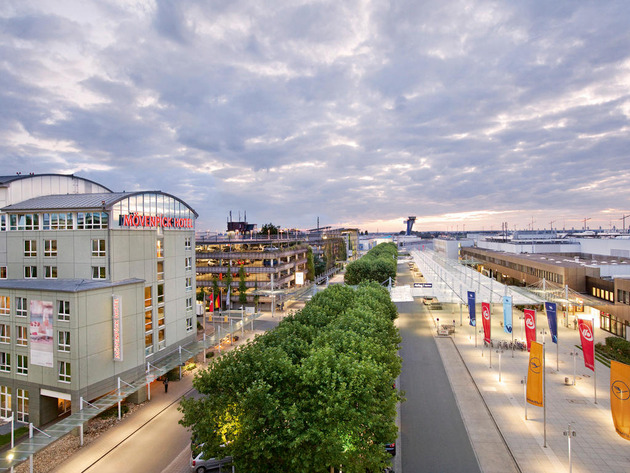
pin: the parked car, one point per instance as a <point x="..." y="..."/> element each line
<point x="390" y="448"/>
<point x="199" y="464"/>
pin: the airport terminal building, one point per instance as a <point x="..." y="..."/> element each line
<point x="94" y="284"/>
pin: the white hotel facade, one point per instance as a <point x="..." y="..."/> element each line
<point x="93" y="285"/>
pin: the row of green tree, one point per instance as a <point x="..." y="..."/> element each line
<point x="316" y="392"/>
<point x="378" y="265"/>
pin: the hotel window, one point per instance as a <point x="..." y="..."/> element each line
<point x="98" y="248"/>
<point x="22" y="336"/>
<point x="161" y="339"/>
<point x="187" y="243"/>
<point x="50" y="247"/>
<point x="160" y="293"/>
<point x="30" y="272"/>
<point x="5" y="333"/>
<point x="148" y="321"/>
<point x="3" y="272"/>
<point x="65" y="371"/>
<point x="22" y="405"/>
<point x="189" y="324"/>
<point x="22" y="364"/>
<point x="21" y="309"/>
<point x="63" y="340"/>
<point x="62" y="221"/>
<point x="148" y="298"/>
<point x="148" y="344"/>
<point x="160" y="316"/>
<point x="5" y="305"/>
<point x="99" y="272"/>
<point x="92" y="220"/>
<point x="63" y="311"/>
<point x="160" y="270"/>
<point x="160" y="248"/>
<point x="188" y="263"/>
<point x="30" y="248"/>
<point x="5" y="362"/>
<point x="5" y="401"/>
<point x="3" y="223"/>
<point x="189" y="304"/>
<point x="50" y="272"/>
<point x="24" y="222"/>
<point x="188" y="284"/>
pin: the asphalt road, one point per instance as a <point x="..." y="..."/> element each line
<point x="433" y="437"/>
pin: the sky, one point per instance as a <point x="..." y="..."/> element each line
<point x="465" y="114"/>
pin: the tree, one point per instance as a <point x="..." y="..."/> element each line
<point x="377" y="265"/>
<point x="315" y="392"/>
<point x="310" y="265"/>
<point x="242" y="286"/>
<point x="269" y="229"/>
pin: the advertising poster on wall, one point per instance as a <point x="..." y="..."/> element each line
<point x="41" y="335"/>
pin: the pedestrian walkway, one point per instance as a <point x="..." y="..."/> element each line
<point x="596" y="447"/>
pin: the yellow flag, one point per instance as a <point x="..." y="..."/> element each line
<point x="620" y="397"/>
<point x="535" y="375"/>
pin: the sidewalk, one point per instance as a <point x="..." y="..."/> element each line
<point x="596" y="448"/>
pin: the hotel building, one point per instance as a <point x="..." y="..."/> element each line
<point x="94" y="285"/>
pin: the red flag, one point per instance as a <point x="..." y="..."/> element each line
<point x="585" y="327"/>
<point x="211" y="307"/>
<point x="530" y="326"/>
<point x="485" y="312"/>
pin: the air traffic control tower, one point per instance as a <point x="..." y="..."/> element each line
<point x="410" y="221"/>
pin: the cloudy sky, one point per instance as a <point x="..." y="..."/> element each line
<point x="359" y="112"/>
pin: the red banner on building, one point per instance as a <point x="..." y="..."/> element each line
<point x="530" y="326"/>
<point x="585" y="327"/>
<point x="485" y="315"/>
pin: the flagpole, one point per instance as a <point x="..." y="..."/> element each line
<point x="544" y="399"/>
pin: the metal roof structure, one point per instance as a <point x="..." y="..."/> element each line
<point x="4" y="180"/>
<point x="451" y="281"/>
<point x="63" y="285"/>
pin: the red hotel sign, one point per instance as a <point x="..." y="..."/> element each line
<point x="117" y="325"/>
<point x="137" y="220"/>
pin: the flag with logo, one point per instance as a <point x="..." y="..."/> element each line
<point x="485" y="313"/>
<point x="530" y="326"/>
<point x="535" y="375"/>
<point x="585" y="327"/>
<point x="211" y="305"/>
<point x="620" y="397"/>
<point x="471" y="308"/>
<point x="552" y="318"/>
<point x="507" y="314"/>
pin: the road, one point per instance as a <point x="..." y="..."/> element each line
<point x="157" y="443"/>
<point x="433" y="435"/>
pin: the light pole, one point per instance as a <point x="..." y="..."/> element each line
<point x="574" y="354"/>
<point x="568" y="434"/>
<point x="500" y="352"/>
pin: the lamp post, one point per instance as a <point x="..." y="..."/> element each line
<point x="500" y="352"/>
<point x="568" y="434"/>
<point x="574" y="354"/>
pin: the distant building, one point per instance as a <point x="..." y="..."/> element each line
<point x="93" y="285"/>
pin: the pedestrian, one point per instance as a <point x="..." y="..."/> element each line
<point x="165" y="384"/>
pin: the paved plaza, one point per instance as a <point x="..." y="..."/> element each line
<point x="596" y="447"/>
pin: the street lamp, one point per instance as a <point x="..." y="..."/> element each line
<point x="574" y="354"/>
<point x="568" y="434"/>
<point x="500" y="352"/>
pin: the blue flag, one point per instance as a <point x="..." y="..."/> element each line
<point x="507" y="314"/>
<point x="550" y="308"/>
<point x="471" y="307"/>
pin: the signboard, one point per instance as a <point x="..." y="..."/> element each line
<point x="41" y="333"/>
<point x="117" y="327"/>
<point x="423" y="284"/>
<point x="137" y="220"/>
<point x="299" y="278"/>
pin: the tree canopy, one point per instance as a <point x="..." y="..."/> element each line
<point x="377" y="265"/>
<point x="315" y="392"/>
